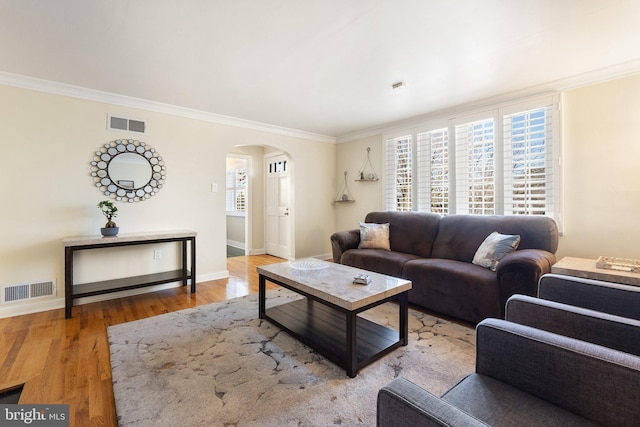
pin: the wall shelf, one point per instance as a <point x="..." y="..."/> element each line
<point x="367" y="173"/>
<point x="344" y="195"/>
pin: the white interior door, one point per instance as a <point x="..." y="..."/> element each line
<point x="278" y="185"/>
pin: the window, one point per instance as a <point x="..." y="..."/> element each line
<point x="499" y="161"/>
<point x="476" y="167"/>
<point x="528" y="162"/>
<point x="433" y="171"/>
<point x="237" y="190"/>
<point x="399" y="174"/>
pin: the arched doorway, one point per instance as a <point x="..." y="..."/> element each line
<point x="261" y="234"/>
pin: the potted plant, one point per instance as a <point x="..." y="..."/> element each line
<point x="110" y="211"/>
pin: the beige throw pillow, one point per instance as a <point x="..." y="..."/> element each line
<point x="495" y="247"/>
<point x="374" y="236"/>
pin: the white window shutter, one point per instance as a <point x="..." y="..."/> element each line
<point x="399" y="174"/>
<point x="476" y="168"/>
<point x="433" y="171"/>
<point x="528" y="183"/>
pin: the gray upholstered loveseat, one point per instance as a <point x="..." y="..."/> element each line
<point x="436" y="254"/>
<point x="524" y="377"/>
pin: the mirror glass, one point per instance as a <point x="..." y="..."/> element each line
<point x="128" y="170"/>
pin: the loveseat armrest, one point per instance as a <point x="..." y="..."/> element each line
<point x="402" y="403"/>
<point x="608" y="330"/>
<point x="613" y="298"/>
<point x="595" y="382"/>
<point x="342" y="241"/>
<point x="520" y="271"/>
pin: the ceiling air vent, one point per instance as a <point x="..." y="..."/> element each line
<point x="127" y="125"/>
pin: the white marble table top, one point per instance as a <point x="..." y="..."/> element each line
<point x="127" y="237"/>
<point x="333" y="283"/>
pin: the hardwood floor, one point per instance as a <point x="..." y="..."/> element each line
<point x="67" y="361"/>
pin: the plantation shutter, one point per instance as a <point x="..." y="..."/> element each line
<point x="433" y="171"/>
<point x="399" y="174"/>
<point x="528" y="145"/>
<point x="230" y="191"/>
<point x="476" y="168"/>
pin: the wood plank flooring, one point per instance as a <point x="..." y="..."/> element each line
<point x="67" y="361"/>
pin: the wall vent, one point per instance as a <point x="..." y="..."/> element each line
<point x="21" y="292"/>
<point x="127" y="125"/>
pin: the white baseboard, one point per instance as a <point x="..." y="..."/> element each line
<point x="31" y="307"/>
<point x="57" y="303"/>
<point x="239" y="245"/>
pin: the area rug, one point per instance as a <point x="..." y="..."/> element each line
<point x="219" y="365"/>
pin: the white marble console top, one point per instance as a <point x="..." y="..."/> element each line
<point x="127" y="237"/>
<point x="586" y="269"/>
<point x="334" y="283"/>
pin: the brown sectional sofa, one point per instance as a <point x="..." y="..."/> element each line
<point x="436" y="252"/>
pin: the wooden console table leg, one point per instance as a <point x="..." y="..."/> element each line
<point x="185" y="274"/>
<point x="193" y="265"/>
<point x="68" y="282"/>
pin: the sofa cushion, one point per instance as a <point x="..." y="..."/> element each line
<point x="495" y="247"/>
<point x="499" y="404"/>
<point x="460" y="236"/>
<point x="374" y="236"/>
<point x="409" y="232"/>
<point x="378" y="260"/>
<point x="460" y="289"/>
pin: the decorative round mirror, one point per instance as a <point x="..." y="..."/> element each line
<point x="128" y="170"/>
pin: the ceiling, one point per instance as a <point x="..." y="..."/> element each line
<point x="319" y="66"/>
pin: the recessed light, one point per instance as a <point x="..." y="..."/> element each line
<point x="399" y="85"/>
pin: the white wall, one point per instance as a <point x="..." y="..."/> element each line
<point x="367" y="194"/>
<point x="47" y="193"/>
<point x="236" y="231"/>
<point x="601" y="172"/>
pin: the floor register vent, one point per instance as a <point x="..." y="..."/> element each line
<point x="21" y="292"/>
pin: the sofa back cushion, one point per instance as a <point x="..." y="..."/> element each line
<point x="460" y="236"/>
<point x="409" y="232"/>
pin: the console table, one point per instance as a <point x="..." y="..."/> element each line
<point x="81" y="243"/>
<point x="586" y="269"/>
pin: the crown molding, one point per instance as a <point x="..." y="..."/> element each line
<point x="613" y="72"/>
<point x="72" y="91"/>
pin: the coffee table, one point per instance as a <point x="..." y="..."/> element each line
<point x="326" y="319"/>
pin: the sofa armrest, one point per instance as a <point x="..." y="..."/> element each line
<point x="569" y="373"/>
<point x="520" y="271"/>
<point x="618" y="333"/>
<point x="401" y="403"/>
<point x="607" y="297"/>
<point x="342" y="241"/>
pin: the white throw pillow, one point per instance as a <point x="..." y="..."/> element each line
<point x="374" y="236"/>
<point x="495" y="247"/>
